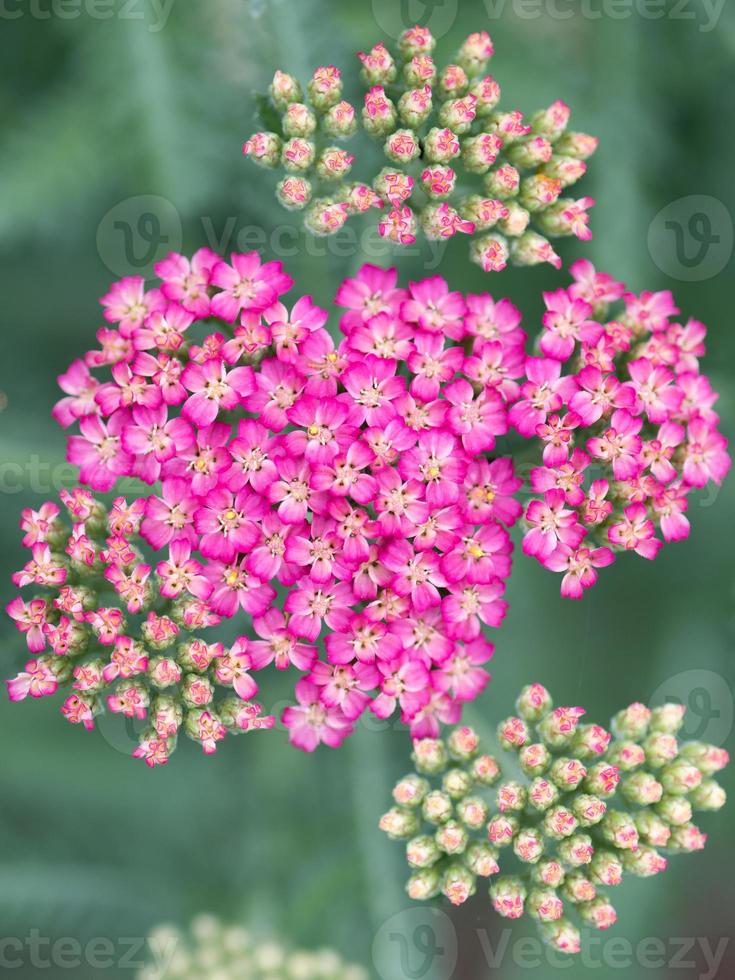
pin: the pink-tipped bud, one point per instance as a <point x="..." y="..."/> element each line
<point x="501" y="829"/>
<point x="424" y="884"/>
<point x="558" y="727"/>
<point x="598" y="913"/>
<point x="326" y="216"/>
<point x="285" y="89"/>
<point x="479" y="153"/>
<point x="542" y="794"/>
<point x="457" y="783"/>
<point x="325" y="87"/>
<point x="452" y="82"/>
<point x="553" y="121"/>
<point x="680" y="778"/>
<point x="709" y="795"/>
<point x="298" y="155"/>
<point x="429" y="756"/>
<point x="399" y="823"/>
<point x="451" y="837"/>
<point x="602" y="779"/>
<point x="534" y="702"/>
<point x="619" y="829"/>
<point x="340" y="120"/>
<point x="531" y="153"/>
<point x="441" y="145"/>
<point x="458" y="884"/>
<point x="438" y="182"/>
<point x="487" y="93"/>
<point x="626" y="755"/>
<point x="485" y="770"/>
<point x="509" y="126"/>
<point x="687" y="838"/>
<point x="534" y="759"/>
<point x="436" y="807"/>
<point x="513" y="733"/>
<point x="528" y="845"/>
<point x="709" y="759"/>
<point x="559" y="822"/>
<point x="539" y="192"/>
<point x="440" y="221"/>
<point x="504" y="182"/>
<point x="589" y="810"/>
<point x="463" y="743"/>
<point x="415" y="106"/>
<point x="567" y="773"/>
<point x="333" y="163"/>
<point x="483" y="212"/>
<point x="475" y="52"/>
<point x="508" y="895"/>
<point x="576" y="850"/>
<point x="379" y="114"/>
<point x="472" y="811"/>
<point x="422" y="852"/>
<point x="652" y="829"/>
<point x="299" y="120"/>
<point x="578" y="887"/>
<point x="416" y="40"/>
<point x="606" y="868"/>
<point x="511" y="796"/>
<point x="578" y="145"/>
<point x="378" y="66"/>
<point x="294" y="193"/>
<point x="641" y="788"/>
<point x="420" y="72"/>
<point x="549" y="872"/>
<point x="590" y="741"/>
<point x="632" y="722"/>
<point x="533" y="249"/>
<point x="545" y="905"/>
<point x="402" y="146"/>
<point x="563" y="936"/>
<point x="399" y="226"/>
<point x="411" y="790"/>
<point x="482" y="859"/>
<point x="675" y="810"/>
<point x="567" y="170"/>
<point x="263" y="149"/>
<point x="516" y="221"/>
<point x="645" y="862"/>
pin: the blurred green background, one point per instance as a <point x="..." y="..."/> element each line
<point x="103" y="104"/>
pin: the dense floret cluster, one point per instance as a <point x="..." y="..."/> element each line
<point x="455" y="162"/>
<point x="585" y="808"/>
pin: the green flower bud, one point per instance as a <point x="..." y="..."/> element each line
<point x="675" y="810"/>
<point x="340" y="120"/>
<point x="558" y="727"/>
<point x="709" y="795"/>
<point x="294" y="192"/>
<point x="457" y="783"/>
<point x="325" y="88"/>
<point x="567" y="773"/>
<point x="483" y="212"/>
<point x="511" y="796"/>
<point x="487" y="93"/>
<point x="562" y="935"/>
<point x="424" y="884"/>
<point x="463" y="743"/>
<point x="531" y="153"/>
<point x="503" y="183"/>
<point x="598" y="913"/>
<point x="644" y="862"/>
<point x="422" y="852"/>
<point x="402" y="146"/>
<point x="482" y="859"/>
<point x="545" y="905"/>
<point x="378" y="66"/>
<point x="379" y="115"/>
<point x="534" y="701"/>
<point x="588" y="810"/>
<point x="641" y="788"/>
<point x="576" y="850"/>
<point x="602" y="779"/>
<point x="626" y="755"/>
<point x="660" y="748"/>
<point x="472" y="811"/>
<point x="452" y="82"/>
<point x="333" y="163"/>
<point x="577" y="887"/>
<point x="606" y="868"/>
<point x="479" y="153"/>
<point x="326" y="215"/>
<point x="451" y="837"/>
<point x="652" y="829"/>
<point x="415" y="106"/>
<point x="542" y="794"/>
<point x="534" y="759"/>
<point x="687" y="838"/>
<point x="458" y="883"/>
<point x="420" y="72"/>
<point x="399" y="822"/>
<point x="298" y="155"/>
<point x="513" y="733"/>
<point x="528" y="845"/>
<point x="436" y="807"/>
<point x="285" y="89"/>
<point x="475" y="52"/>
<point x="680" y="778"/>
<point x="619" y="829"/>
<point x="485" y="770"/>
<point x="197" y="691"/>
<point x="429" y="756"/>
<point x="415" y="41"/>
<point x="577" y="145"/>
<point x="566" y="170"/>
<point x="539" y="192"/>
<point x="299" y="120"/>
<point x="411" y="790"/>
<point x="559" y="822"/>
<point x="516" y="220"/>
<point x="709" y="759"/>
<point x="668" y="718"/>
<point x="501" y="829"/>
<point x="549" y="872"/>
<point x="508" y="895"/>
<point x="490" y="252"/>
<point x="441" y="145"/>
<point x="551" y="122"/>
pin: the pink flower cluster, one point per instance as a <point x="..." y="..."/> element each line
<point x="626" y="426"/>
<point x="346" y="492"/>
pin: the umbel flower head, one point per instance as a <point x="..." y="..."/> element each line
<point x="213" y="949"/>
<point x="588" y="806"/>
<point x="455" y="161"/>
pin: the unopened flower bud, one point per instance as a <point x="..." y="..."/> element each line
<point x="414" y="106"/>
<point x="578" y="145"/>
<point x="559" y="822"/>
<point x="566" y="170"/>
<point x="504" y="182"/>
<point x="293" y="193"/>
<point x="567" y="773"/>
<point x="619" y="829"/>
<point x="485" y="770"/>
<point x="472" y="811"/>
<point x="325" y="87"/>
<point x="549" y="872"/>
<point x="551" y="122"/>
<point x="424" y="884"/>
<point x="197" y="691"/>
<point x="333" y="163"/>
<point x="378" y="66"/>
<point x="652" y="829"/>
<point x="483" y="212"/>
<point x="576" y="850"/>
<point x="458" y="883"/>
<point x="534" y="702"/>
<point x="416" y="40"/>
<point x="475" y="52"/>
<point x="393" y="186"/>
<point x="680" y="778"/>
<point x="632" y="722"/>
<point x="539" y="192"/>
<point x="577" y="887"/>
<point x="501" y="829"/>
<point x="588" y="810"/>
<point x="606" y="868"/>
<point x="542" y="794"/>
<point x="545" y="905"/>
<point x="479" y="153"/>
<point x="563" y="935"/>
<point x="533" y="249"/>
<point x="513" y="733"/>
<point x="263" y="149"/>
<point x="508" y="125"/>
<point x="402" y="146"/>
<point x="452" y="82"/>
<point x="325" y="216"/>
<point x="451" y="837"/>
<point x="487" y="93"/>
<point x="590" y="741"/>
<point x="687" y="838"/>
<point x="602" y="779"/>
<point x="399" y="226"/>
<point x="436" y="807"/>
<point x="441" y="221"/>
<point x="438" y="182"/>
<point x="285" y="89"/>
<point x="420" y="72"/>
<point x="399" y="822"/>
<point x="379" y="114"/>
<point x="511" y="797"/>
<point x="340" y="120"/>
<point x="709" y="795"/>
<point x="709" y="759"/>
<point x="641" y="788"/>
<point x="531" y="153"/>
<point x="490" y="252"/>
<point x="482" y="859"/>
<point x="668" y="718"/>
<point x="298" y="155"/>
<point x="166" y="715"/>
<point x="441" y="145"/>
<point x="299" y="120"/>
<point x="528" y="845"/>
<point x="534" y="759"/>
<point x="359" y="197"/>
<point x="457" y="783"/>
<point x="598" y="913"/>
<point x="626" y="755"/>
<point x="644" y="862"/>
<point x="558" y="727"/>
<point x="508" y="895"/>
<point x="163" y="672"/>
<point x="515" y="221"/>
<point x="675" y="810"/>
<point x="422" y="852"/>
<point x="411" y="790"/>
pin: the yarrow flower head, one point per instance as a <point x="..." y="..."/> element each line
<point x="625" y="422"/>
<point x="346" y="501"/>
<point x="592" y="805"/>
<point x="438" y="129"/>
<point x="213" y="948"/>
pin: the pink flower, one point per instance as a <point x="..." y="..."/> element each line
<point x="30" y="618"/>
<point x="619" y="445"/>
<point x="277" y="645"/>
<point x="566" y="321"/>
<point x="539" y="395"/>
<point x="98" y="451"/>
<point x="227" y="523"/>
<point x="551" y="524"/>
<point x="185" y="281"/>
<point x="635" y="532"/>
<point x="246" y="284"/>
<point x="313" y="604"/>
<point x="706" y="457"/>
<point x="81" y="388"/>
<point x="182" y="573"/>
<point x="214" y="388"/>
<point x="476" y="420"/>
<point x="170" y="517"/>
<point x="579" y="566"/>
<point x="311" y="722"/>
<point x="37" y="679"/>
<point x="434" y="308"/>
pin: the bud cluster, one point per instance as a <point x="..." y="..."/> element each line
<point x="590" y="806"/>
<point x="212" y="949"/>
<point x="455" y="162"/>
